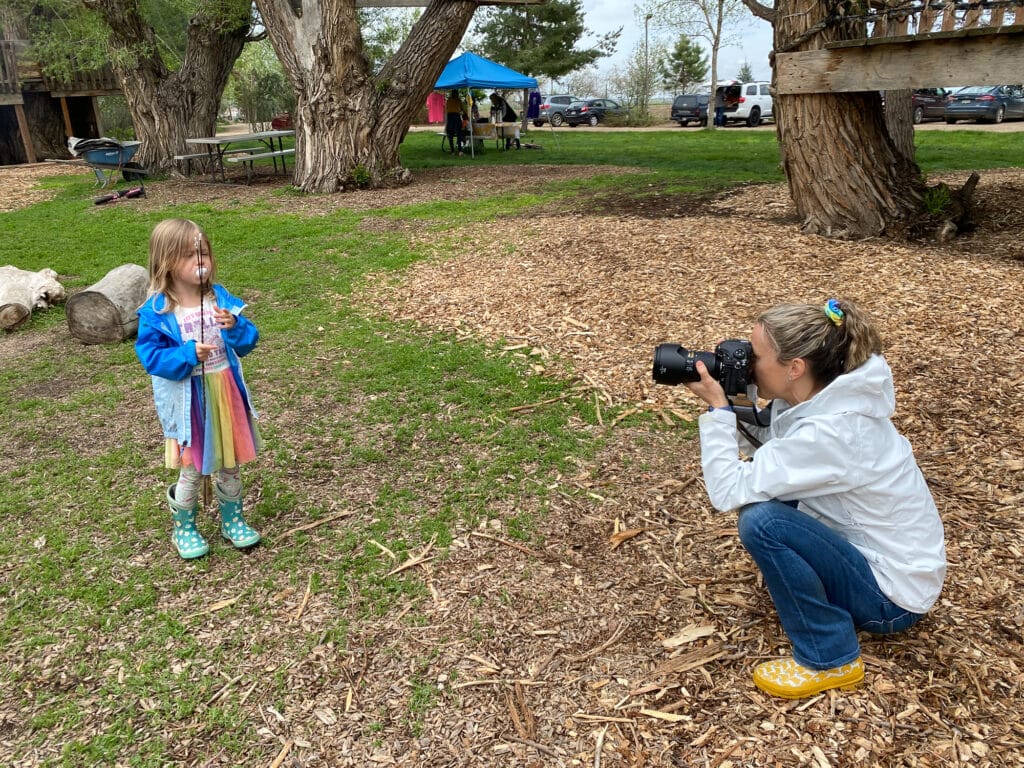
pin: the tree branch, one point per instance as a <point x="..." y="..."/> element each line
<point x="761" y="11"/>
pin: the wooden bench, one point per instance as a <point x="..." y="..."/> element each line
<point x="478" y="141"/>
<point x="203" y="157"/>
<point x="250" y="156"/>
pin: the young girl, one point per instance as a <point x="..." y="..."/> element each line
<point x="191" y="336"/>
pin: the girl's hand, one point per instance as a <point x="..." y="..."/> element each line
<point x="225" y="319"/>
<point x="708" y="389"/>
<point x="203" y="351"/>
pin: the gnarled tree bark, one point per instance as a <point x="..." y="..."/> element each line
<point x="847" y="176"/>
<point x="350" y="121"/>
<point x="169" y="106"/>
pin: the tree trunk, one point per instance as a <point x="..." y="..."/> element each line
<point x="105" y="312"/>
<point x="899" y="121"/>
<point x="169" y="106"/>
<point x="349" y="122"/>
<point x="846" y="176"/>
<point x="22" y="291"/>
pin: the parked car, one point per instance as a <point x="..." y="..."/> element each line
<point x="690" y="108"/>
<point x="282" y="122"/>
<point x="985" y="103"/>
<point x="552" y="110"/>
<point x="747" y="102"/>
<point x="593" y="111"/>
<point x="929" y="103"/>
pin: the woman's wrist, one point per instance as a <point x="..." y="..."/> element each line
<point x="726" y="407"/>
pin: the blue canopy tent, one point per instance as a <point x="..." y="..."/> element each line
<point x="472" y="71"/>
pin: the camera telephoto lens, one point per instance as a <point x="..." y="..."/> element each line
<point x="674" y="364"/>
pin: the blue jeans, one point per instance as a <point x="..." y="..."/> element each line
<point x="821" y="585"/>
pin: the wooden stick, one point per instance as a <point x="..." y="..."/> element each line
<point x="384" y="549"/>
<point x="507" y="543"/>
<point x="314" y="524"/>
<point x="534" y="744"/>
<point x="498" y="681"/>
<point x="549" y="401"/>
<point x="282" y="754"/>
<point x="599" y="746"/>
<point x="305" y="598"/>
<point x="414" y="560"/>
<point x="607" y="643"/>
<point x="223" y="689"/>
<point x="410" y="563"/>
<point x="245" y="695"/>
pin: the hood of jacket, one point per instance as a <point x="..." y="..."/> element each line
<point x="867" y="391"/>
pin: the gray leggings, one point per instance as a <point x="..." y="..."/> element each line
<point x="229" y="483"/>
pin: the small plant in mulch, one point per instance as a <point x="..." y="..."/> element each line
<point x="945" y="212"/>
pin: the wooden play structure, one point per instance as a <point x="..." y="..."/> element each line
<point x="39" y="113"/>
<point x="910" y="44"/>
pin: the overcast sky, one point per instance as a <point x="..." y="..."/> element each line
<point x="751" y="41"/>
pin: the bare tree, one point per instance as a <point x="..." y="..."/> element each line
<point x="846" y="176"/>
<point x="350" y="120"/>
<point x="704" y="19"/>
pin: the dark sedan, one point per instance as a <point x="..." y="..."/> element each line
<point x="593" y="111"/>
<point x="929" y="103"/>
<point x="985" y="103"/>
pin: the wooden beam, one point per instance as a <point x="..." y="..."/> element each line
<point x="26" y="138"/>
<point x="67" y="117"/>
<point x="978" y="59"/>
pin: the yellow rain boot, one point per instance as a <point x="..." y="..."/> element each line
<point x="788" y="679"/>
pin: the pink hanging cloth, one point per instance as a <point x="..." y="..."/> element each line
<point x="435" y="107"/>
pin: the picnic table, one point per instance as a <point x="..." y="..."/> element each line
<point x="223" y="148"/>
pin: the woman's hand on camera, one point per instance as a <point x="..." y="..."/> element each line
<point x="708" y="389"/>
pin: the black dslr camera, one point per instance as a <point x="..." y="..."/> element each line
<point x="729" y="363"/>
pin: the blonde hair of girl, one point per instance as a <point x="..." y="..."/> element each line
<point x="834" y="339"/>
<point x="173" y="241"/>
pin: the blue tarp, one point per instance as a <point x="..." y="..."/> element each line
<point x="472" y="71"/>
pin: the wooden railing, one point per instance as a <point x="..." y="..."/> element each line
<point x="96" y="81"/>
<point x="922" y="20"/>
<point x="17" y="71"/>
<point x="9" y="67"/>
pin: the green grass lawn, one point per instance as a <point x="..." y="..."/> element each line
<point x="115" y="650"/>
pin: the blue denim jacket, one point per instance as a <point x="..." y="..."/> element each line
<point x="170" y="362"/>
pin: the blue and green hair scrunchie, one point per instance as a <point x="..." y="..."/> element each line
<point x="834" y="313"/>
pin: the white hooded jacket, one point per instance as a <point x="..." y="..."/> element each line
<point x="840" y="456"/>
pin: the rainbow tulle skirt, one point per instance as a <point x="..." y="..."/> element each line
<point x="224" y="433"/>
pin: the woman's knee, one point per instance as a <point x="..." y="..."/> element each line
<point x="753" y="518"/>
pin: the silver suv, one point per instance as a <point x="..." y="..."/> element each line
<point x="552" y="110"/>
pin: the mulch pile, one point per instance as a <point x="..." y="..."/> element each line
<point x="626" y="633"/>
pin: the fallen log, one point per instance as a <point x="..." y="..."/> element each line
<point x="105" y="311"/>
<point x="22" y="291"/>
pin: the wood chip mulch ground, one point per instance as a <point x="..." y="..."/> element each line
<point x="636" y="641"/>
<point x="627" y="636"/>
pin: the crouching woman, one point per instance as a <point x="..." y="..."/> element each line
<point x="833" y="507"/>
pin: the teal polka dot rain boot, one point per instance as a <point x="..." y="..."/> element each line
<point x="232" y="525"/>
<point x="187" y="539"/>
